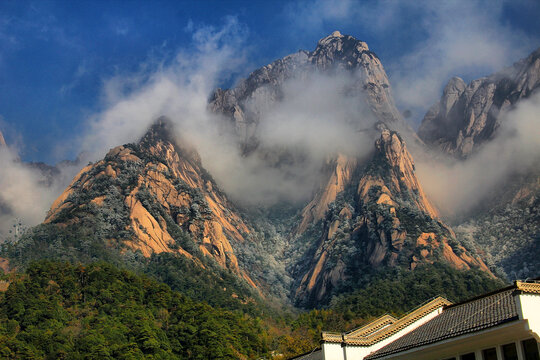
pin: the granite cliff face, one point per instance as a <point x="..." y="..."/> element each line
<point x="503" y="226"/>
<point x="338" y="174"/>
<point x="468" y="115"/>
<point x="369" y="214"/>
<point x="509" y="231"/>
<point x="378" y="216"/>
<point x="245" y="103"/>
<point x="162" y="200"/>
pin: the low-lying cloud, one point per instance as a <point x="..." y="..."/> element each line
<point x="313" y="118"/>
<point x="460" y="186"/>
<point x="26" y="193"/>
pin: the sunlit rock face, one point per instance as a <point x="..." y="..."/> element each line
<point x="2" y="140"/>
<point x="246" y="103"/>
<point x="376" y="216"/>
<point x="468" y="115"/>
<point x="369" y="213"/>
<point x="160" y="192"/>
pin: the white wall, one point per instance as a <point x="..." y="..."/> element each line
<point x="332" y="351"/>
<point x="528" y="306"/>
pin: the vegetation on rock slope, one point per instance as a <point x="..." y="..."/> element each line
<point x="58" y="310"/>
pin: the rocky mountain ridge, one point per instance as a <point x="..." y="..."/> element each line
<point x="468" y="115"/>
<point x="168" y="202"/>
<point x="504" y="225"/>
<point x="245" y="104"/>
<point x="370" y="215"/>
<point x="380" y="218"/>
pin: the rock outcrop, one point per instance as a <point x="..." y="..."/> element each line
<point x="380" y="217"/>
<point x="165" y="201"/>
<point x="339" y="174"/>
<point x="468" y="115"/>
<point x="2" y="140"/>
<point x="245" y="103"/>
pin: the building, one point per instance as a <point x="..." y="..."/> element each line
<point x="501" y="325"/>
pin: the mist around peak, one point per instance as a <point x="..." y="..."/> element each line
<point x="460" y="186"/>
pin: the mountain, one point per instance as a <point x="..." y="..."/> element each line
<point x="155" y="197"/>
<point x="378" y="218"/>
<point x="152" y="204"/>
<point x="504" y="225"/>
<point x="508" y="231"/>
<point x="367" y="215"/>
<point x="2" y="140"/>
<point x="245" y="104"/>
<point x="468" y="115"/>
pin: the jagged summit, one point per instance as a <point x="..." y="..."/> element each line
<point x="162" y="128"/>
<point x="372" y="217"/>
<point x="341" y="51"/>
<point x="337" y="36"/>
<point x="246" y="103"/>
<point x="469" y="114"/>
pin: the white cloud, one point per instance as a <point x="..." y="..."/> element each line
<point x="25" y="192"/>
<point x="464" y="38"/>
<point x="448" y="38"/>
<point x="313" y="121"/>
<point x="459" y="186"/>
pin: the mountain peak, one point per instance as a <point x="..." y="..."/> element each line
<point x="466" y="116"/>
<point x="2" y="141"/>
<point x="455" y="85"/>
<point x="388" y="223"/>
<point x="162" y="128"/>
<point x="342" y="43"/>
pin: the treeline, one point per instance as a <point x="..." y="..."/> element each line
<point x="396" y="292"/>
<point x="62" y="311"/>
<point x="57" y="310"/>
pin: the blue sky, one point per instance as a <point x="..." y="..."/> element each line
<point x="57" y="57"/>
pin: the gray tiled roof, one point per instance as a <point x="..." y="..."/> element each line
<point x="474" y="315"/>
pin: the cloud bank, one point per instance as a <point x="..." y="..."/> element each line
<point x="460" y="186"/>
<point x="443" y="39"/>
<point x="314" y="118"/>
<point x="26" y="192"/>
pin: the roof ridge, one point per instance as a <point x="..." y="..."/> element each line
<point x="374" y="325"/>
<point x="400" y="324"/>
<point x="525" y="286"/>
<point x="532" y="287"/>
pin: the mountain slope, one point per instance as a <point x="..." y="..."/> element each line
<point x="508" y="231"/>
<point x="153" y="200"/>
<point x="504" y="225"/>
<point x="155" y="197"/>
<point x="60" y="310"/>
<point x="468" y="115"/>
<point x="380" y="219"/>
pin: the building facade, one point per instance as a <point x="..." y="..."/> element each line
<point x="501" y="325"/>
